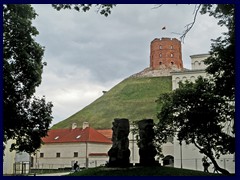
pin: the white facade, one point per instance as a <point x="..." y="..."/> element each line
<point x="188" y="156"/>
<point x="13" y="162"/>
<point x="198" y="69"/>
<point x="63" y="155"/>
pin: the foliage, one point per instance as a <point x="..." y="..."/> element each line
<point x="104" y="9"/>
<point x="197" y="116"/>
<point x="26" y="118"/>
<point x="222" y="60"/>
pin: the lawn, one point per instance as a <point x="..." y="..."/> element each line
<point x="140" y="171"/>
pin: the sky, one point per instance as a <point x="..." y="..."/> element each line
<point x="87" y="53"/>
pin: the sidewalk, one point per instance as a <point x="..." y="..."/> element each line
<point x="53" y="174"/>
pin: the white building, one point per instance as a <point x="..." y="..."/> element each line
<point x="188" y="156"/>
<point x="63" y="147"/>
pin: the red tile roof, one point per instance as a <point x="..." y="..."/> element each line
<point x="98" y="154"/>
<point x="75" y="135"/>
<point x="106" y="132"/>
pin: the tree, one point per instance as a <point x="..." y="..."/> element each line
<point x="197" y="116"/>
<point x="26" y="118"/>
<point x="221" y="63"/>
<point x="104" y="9"/>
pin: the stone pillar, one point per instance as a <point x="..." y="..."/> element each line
<point x="119" y="153"/>
<point x="147" y="150"/>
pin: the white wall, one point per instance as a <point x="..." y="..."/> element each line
<point x="8" y="159"/>
<point x="66" y="151"/>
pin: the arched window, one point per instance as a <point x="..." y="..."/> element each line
<point x="171" y="47"/>
<point x="171" y="54"/>
<point x="160" y="47"/>
<point x="160" y="55"/>
<point x="172" y="63"/>
<point x="160" y="63"/>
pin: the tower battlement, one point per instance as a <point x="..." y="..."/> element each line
<point x="166" y="53"/>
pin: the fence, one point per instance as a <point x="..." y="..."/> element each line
<point x="21" y="168"/>
<point x="49" y="167"/>
<point x="196" y="164"/>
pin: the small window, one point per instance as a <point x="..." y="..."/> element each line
<point x="56" y="137"/>
<point x="160" y="55"/>
<point x="160" y="63"/>
<point x="58" y="154"/>
<point x="75" y="154"/>
<point x="160" y="47"/>
<point x="172" y="63"/>
<point x="171" y="54"/>
<point x="78" y="136"/>
<point x="41" y="155"/>
<point x="171" y="47"/>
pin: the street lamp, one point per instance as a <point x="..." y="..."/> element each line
<point x="181" y="153"/>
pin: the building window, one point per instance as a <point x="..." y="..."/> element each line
<point x="172" y="63"/>
<point x="160" y="47"/>
<point x="160" y="55"/>
<point x="58" y="154"/>
<point x="160" y="63"/>
<point x="171" y="47"/>
<point x="75" y="154"/>
<point x="171" y="54"/>
<point x="41" y="155"/>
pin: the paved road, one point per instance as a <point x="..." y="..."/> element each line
<point x="53" y="174"/>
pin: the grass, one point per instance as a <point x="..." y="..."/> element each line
<point x="133" y="98"/>
<point x="141" y="171"/>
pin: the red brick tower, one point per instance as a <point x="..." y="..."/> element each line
<point x="166" y="53"/>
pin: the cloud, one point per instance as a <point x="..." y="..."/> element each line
<point x="87" y="53"/>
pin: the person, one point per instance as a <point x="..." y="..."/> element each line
<point x="206" y="164"/>
<point x="76" y="166"/>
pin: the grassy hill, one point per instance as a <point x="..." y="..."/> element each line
<point x="133" y="98"/>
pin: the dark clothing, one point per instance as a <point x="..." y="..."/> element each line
<point x="76" y="166"/>
<point x="205" y="166"/>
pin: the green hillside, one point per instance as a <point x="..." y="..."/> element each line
<point x="133" y="98"/>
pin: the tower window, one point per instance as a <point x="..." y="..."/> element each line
<point x="160" y="55"/>
<point x="172" y="63"/>
<point x="160" y="47"/>
<point x="160" y="63"/>
<point x="171" y="47"/>
<point x="171" y="54"/>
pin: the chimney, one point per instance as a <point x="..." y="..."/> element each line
<point x="85" y="125"/>
<point x="74" y="125"/>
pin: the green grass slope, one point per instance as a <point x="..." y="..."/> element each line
<point x="133" y="98"/>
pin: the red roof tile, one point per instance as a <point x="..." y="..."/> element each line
<point x="98" y="154"/>
<point x="75" y="135"/>
<point x="106" y="132"/>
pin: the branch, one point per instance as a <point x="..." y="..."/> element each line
<point x="190" y="25"/>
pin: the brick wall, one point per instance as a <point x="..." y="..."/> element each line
<point x="166" y="53"/>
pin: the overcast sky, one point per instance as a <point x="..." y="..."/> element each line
<point x="87" y="53"/>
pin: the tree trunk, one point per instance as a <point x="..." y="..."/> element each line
<point x="223" y="171"/>
<point x="206" y="152"/>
